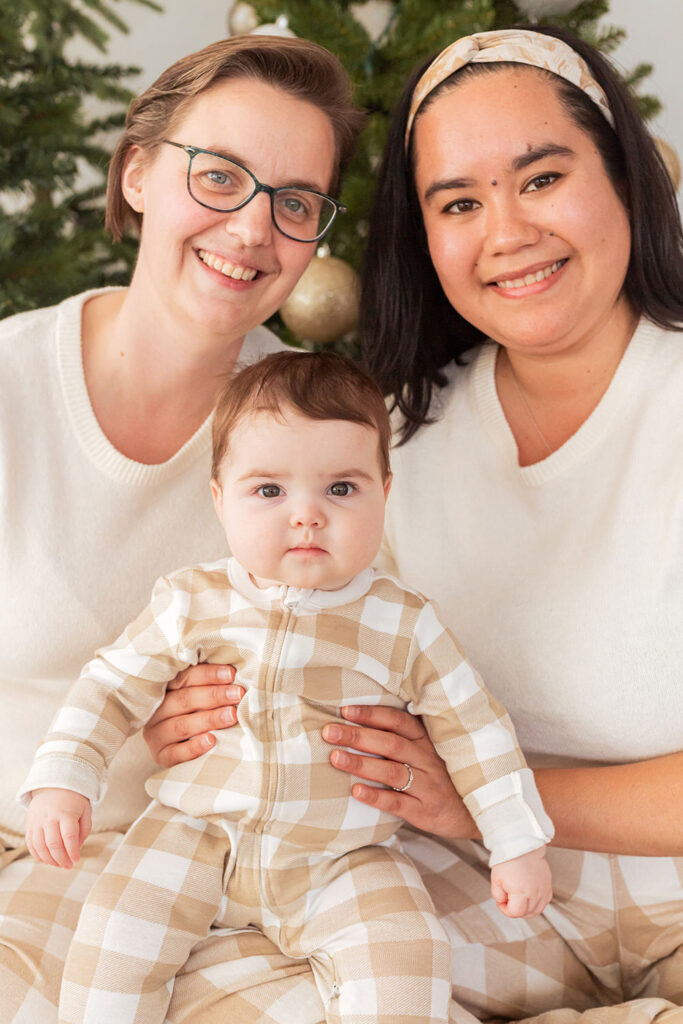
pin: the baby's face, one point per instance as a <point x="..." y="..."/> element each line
<point x="301" y="500"/>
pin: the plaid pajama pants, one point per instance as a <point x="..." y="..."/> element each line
<point x="609" y="950"/>
<point x="366" y="924"/>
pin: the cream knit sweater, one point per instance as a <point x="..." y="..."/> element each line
<point x="84" y="534"/>
<point x="562" y="580"/>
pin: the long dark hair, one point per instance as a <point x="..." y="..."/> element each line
<point x="409" y="329"/>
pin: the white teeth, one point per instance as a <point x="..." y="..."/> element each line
<point x="540" y="275"/>
<point x="225" y="268"/>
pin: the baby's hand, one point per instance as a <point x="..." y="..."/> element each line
<point x="522" y="887"/>
<point x="58" y="823"/>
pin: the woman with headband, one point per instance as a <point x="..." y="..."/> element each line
<point x="523" y="291"/>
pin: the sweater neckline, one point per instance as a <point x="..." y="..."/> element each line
<point x="590" y="433"/>
<point x="94" y="442"/>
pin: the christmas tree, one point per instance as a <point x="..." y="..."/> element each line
<point x="52" y="239"/>
<point x="379" y="65"/>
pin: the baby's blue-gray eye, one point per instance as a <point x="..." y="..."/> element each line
<point x="270" y="491"/>
<point x="341" y="489"/>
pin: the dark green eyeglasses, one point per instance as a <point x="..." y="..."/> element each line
<point x="224" y="185"/>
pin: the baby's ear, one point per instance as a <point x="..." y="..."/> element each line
<point x="217" y="494"/>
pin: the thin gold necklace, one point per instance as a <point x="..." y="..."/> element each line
<point x="526" y="405"/>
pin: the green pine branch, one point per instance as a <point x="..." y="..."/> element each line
<point x="52" y="239"/>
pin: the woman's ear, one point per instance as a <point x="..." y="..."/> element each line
<point x="132" y="178"/>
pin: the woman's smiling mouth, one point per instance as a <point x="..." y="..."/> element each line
<point x="535" y="277"/>
<point x="233" y="270"/>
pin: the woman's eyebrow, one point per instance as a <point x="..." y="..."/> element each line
<point x="531" y="156"/>
<point x="540" y="153"/>
<point x="294" y="183"/>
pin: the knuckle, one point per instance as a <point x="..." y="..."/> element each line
<point x="181" y="727"/>
<point x="393" y="745"/>
<point x="183" y="699"/>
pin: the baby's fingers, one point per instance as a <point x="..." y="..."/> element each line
<point x="85" y="824"/>
<point x="70" y="830"/>
<point x="55" y="844"/>
<point x="517" y="905"/>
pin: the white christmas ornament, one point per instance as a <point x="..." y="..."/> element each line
<point x="280" y="27"/>
<point x="242" y="19"/>
<point x="373" y="15"/>
<point x="543" y="8"/>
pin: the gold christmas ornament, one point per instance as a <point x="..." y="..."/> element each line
<point x="324" y="304"/>
<point x="280" y="27"/>
<point x="242" y="19"/>
<point x="671" y="161"/>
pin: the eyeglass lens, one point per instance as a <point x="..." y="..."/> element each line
<point x="223" y="185"/>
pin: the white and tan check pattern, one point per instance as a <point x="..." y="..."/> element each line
<point x="263" y="816"/>
<point x="609" y="949"/>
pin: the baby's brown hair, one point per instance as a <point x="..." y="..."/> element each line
<point x="320" y="385"/>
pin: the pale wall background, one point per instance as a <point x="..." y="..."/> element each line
<point x="654" y="34"/>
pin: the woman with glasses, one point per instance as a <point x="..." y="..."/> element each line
<point x="228" y="167"/>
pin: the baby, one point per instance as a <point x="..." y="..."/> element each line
<point x="262" y="831"/>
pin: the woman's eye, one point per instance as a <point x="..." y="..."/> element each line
<point x="269" y="491"/>
<point x="462" y="206"/>
<point x="541" y="181"/>
<point x="341" y="489"/>
<point x="294" y="206"/>
<point x="216" y="179"/>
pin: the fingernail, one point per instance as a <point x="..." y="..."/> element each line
<point x="332" y="732"/>
<point x="208" y="741"/>
<point x="234" y="693"/>
<point x="224" y="673"/>
<point x="349" y="712"/>
<point x="341" y="759"/>
<point x="228" y="716"/>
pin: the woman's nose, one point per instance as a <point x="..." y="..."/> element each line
<point x="509" y="227"/>
<point x="252" y="224"/>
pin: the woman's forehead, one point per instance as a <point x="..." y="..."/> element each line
<point x="257" y="122"/>
<point x="491" y="112"/>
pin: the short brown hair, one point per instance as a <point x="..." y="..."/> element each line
<point x="298" y="66"/>
<point x="320" y="385"/>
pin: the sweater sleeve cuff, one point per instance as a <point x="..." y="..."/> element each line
<point x="510" y="816"/>
<point x="62" y="773"/>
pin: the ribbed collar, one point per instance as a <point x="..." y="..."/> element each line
<point x="589" y="434"/>
<point x="295" y="598"/>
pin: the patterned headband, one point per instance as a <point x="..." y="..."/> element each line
<point x="519" y="46"/>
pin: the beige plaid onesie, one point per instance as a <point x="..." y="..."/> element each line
<point x="261" y="832"/>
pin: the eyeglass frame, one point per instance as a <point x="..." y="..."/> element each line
<point x="192" y="151"/>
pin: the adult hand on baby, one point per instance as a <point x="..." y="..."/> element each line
<point x="522" y="887"/>
<point x="57" y="825"/>
<point x="199" y="699"/>
<point x="396" y="739"/>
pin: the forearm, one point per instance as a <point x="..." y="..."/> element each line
<point x="634" y="809"/>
